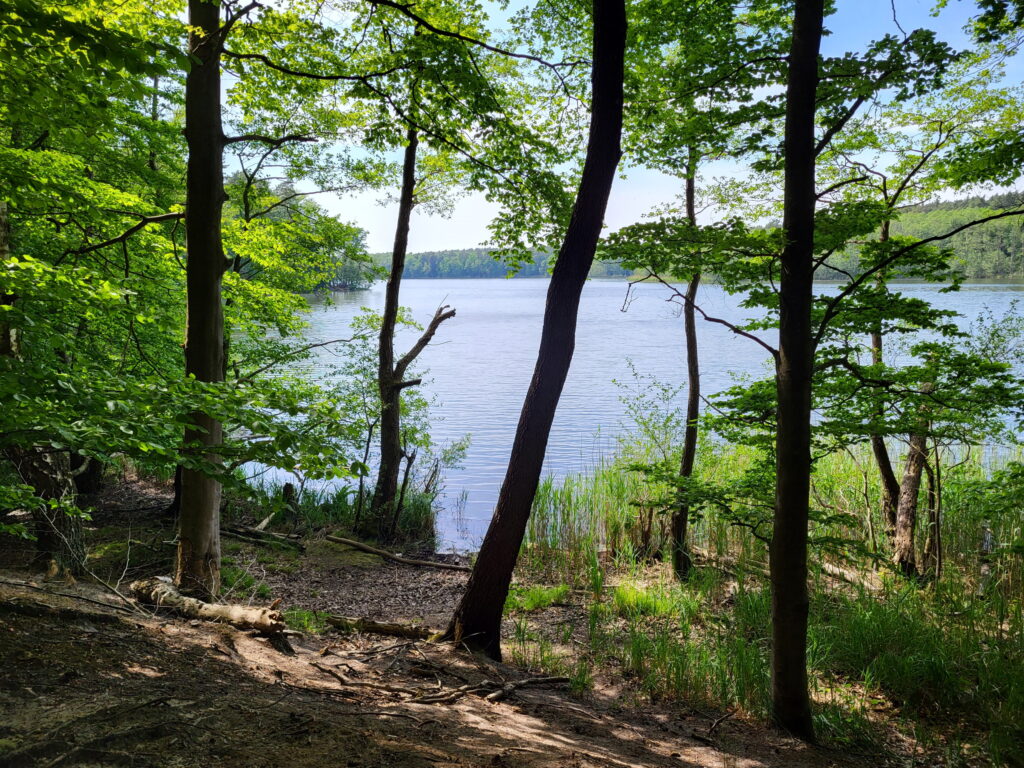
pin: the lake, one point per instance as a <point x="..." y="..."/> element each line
<point x="480" y="363"/>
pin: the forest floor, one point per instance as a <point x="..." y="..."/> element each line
<point x="89" y="682"/>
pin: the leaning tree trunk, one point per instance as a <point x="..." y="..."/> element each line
<point x="903" y="555"/>
<point x="197" y="568"/>
<point x="682" y="563"/>
<point x="791" y="705"/>
<point x="476" y="622"/>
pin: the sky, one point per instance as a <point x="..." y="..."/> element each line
<point x="639" y="191"/>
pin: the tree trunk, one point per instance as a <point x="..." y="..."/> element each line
<point x="59" y="545"/>
<point x="933" y="543"/>
<point x="903" y="555"/>
<point x="386" y="490"/>
<point x="197" y="568"/>
<point x="890" y="486"/>
<point x="391" y="372"/>
<point x="476" y="622"/>
<point x="682" y="563"/>
<point x="87" y="474"/>
<point x="791" y="706"/>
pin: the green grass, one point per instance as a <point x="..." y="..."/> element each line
<point x="945" y="661"/>
<point x="305" y="620"/>
<point x="533" y="598"/>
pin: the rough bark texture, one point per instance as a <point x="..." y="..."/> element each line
<point x="791" y="706"/>
<point x="386" y="491"/>
<point x="682" y="563"/>
<point x="903" y="555"/>
<point x="59" y="545"/>
<point x="197" y="568"/>
<point x="476" y="622"/>
<point x="932" y="561"/>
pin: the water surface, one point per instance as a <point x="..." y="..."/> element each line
<point x="480" y="363"/>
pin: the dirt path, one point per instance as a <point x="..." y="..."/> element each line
<point x="87" y="686"/>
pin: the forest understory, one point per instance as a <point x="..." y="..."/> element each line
<point x="90" y="679"/>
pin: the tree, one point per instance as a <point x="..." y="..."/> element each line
<point x="791" y="705"/>
<point x="477" y="618"/>
<point x="197" y="568"/>
<point x="391" y="380"/>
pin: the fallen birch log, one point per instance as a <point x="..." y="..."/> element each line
<point x="397" y="558"/>
<point x="159" y="591"/>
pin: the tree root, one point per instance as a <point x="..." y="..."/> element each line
<point x="159" y="591"/>
<point x="490" y="690"/>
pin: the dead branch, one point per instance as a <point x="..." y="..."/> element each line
<point x="397" y="558"/>
<point x="354" y="624"/>
<point x="258" y="536"/>
<point x="159" y="591"/>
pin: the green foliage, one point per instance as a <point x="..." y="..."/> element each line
<point x="305" y="620"/>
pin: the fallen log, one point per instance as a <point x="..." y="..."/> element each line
<point x="257" y="536"/>
<point x="351" y="624"/>
<point x="397" y="558"/>
<point x="159" y="591"/>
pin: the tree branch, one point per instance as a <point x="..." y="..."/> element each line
<point x="271" y="141"/>
<point x="443" y="313"/>
<point x="144" y="221"/>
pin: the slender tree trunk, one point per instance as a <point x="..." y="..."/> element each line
<point x="791" y="706"/>
<point x="476" y="622"/>
<point x="933" y="543"/>
<point x="903" y="554"/>
<point x="890" y="485"/>
<point x="386" y="491"/>
<point x="682" y="563"/>
<point x="197" y="569"/>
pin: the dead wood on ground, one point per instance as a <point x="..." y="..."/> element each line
<point x="159" y="591"/>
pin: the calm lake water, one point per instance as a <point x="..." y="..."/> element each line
<point x="480" y="364"/>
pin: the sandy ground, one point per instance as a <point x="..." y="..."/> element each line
<point x="88" y="685"/>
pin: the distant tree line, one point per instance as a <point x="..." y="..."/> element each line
<point x="991" y="250"/>
<point x="482" y="262"/>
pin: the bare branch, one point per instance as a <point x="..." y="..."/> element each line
<point x="443" y="313"/>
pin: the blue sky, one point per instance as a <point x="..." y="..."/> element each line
<point x="855" y="23"/>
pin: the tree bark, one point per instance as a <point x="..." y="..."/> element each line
<point x="59" y="545"/>
<point x="386" y="490"/>
<point x="476" y="622"/>
<point x="933" y="542"/>
<point x="791" y="706"/>
<point x="903" y="554"/>
<point x="890" y="485"/>
<point x="197" y="568"/>
<point x="682" y="563"/>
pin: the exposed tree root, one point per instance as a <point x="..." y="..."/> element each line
<point x="397" y="558"/>
<point x="488" y="689"/>
<point x="160" y="591"/>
